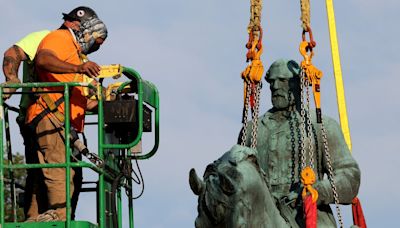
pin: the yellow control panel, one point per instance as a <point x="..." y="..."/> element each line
<point x="113" y="70"/>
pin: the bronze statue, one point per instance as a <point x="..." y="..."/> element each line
<point x="262" y="187"/>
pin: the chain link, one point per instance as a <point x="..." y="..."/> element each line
<point x="331" y="174"/>
<point x="292" y="121"/>
<point x="299" y="138"/>
<point x="255" y="115"/>
<point x="306" y="125"/>
<point x="304" y="115"/>
<point x="309" y="124"/>
<point x="245" y="113"/>
<point x="303" y="120"/>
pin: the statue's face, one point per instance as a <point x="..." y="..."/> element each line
<point x="280" y="87"/>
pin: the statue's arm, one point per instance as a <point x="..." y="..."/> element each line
<point x="345" y="168"/>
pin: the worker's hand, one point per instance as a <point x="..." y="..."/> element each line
<point x="9" y="90"/>
<point x="93" y="91"/>
<point x="91" y="69"/>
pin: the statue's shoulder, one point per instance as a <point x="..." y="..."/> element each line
<point x="326" y="119"/>
<point x="331" y="125"/>
<point x="329" y="121"/>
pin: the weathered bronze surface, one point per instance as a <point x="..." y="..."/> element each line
<point x="261" y="188"/>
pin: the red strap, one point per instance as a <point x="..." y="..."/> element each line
<point x="358" y="215"/>
<point x="310" y="212"/>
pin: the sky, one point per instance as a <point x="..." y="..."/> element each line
<point x="193" y="51"/>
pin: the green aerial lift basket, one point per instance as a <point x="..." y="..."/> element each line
<point x="145" y="95"/>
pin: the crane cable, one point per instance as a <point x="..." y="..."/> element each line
<point x="253" y="72"/>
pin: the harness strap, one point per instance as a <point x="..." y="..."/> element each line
<point x="51" y="108"/>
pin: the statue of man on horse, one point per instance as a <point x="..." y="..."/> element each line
<point x="262" y="187"/>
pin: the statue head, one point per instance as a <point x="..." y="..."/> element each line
<point x="284" y="80"/>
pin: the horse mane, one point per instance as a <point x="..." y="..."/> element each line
<point x="240" y="153"/>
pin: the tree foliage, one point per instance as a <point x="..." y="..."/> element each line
<point x="19" y="176"/>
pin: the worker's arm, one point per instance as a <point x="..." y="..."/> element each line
<point x="47" y="60"/>
<point x="11" y="62"/>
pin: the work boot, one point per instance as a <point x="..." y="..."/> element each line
<point x="48" y="216"/>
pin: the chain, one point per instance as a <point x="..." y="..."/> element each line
<point x="255" y="115"/>
<point x="306" y="121"/>
<point x="330" y="174"/>
<point x="245" y="113"/>
<point x="292" y="122"/>
<point x="303" y="120"/>
<point x="255" y="112"/>
<point x="253" y="71"/>
<point x="309" y="130"/>
<point x="293" y="144"/>
<point x="299" y="138"/>
<point x="304" y="115"/>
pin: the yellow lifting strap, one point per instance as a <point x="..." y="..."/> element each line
<point x="341" y="100"/>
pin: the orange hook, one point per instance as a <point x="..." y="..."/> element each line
<point x="308" y="179"/>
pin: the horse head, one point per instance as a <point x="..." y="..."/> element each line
<point x="231" y="194"/>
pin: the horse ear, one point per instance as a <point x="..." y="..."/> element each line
<point x="196" y="184"/>
<point x="226" y="184"/>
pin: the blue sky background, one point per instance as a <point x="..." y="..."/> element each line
<point x="194" y="52"/>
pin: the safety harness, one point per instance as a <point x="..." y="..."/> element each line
<point x="55" y="116"/>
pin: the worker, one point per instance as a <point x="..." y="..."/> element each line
<point x="25" y="51"/>
<point x="60" y="59"/>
